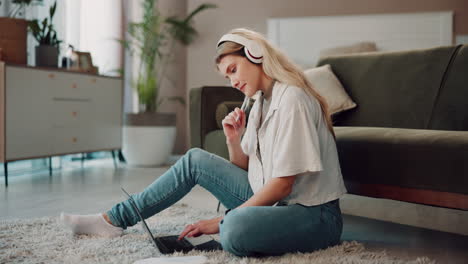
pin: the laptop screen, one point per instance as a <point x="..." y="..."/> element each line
<point x="156" y="241"/>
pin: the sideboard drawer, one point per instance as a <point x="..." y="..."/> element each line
<point x="24" y="143"/>
<point x="70" y="85"/>
<point x="72" y="140"/>
<point x="67" y="113"/>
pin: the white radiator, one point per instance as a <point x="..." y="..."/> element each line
<point x="303" y="38"/>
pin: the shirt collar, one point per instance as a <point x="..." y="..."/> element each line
<point x="278" y="91"/>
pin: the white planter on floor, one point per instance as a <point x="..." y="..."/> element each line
<point x="148" y="145"/>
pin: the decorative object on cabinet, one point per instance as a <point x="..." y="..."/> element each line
<point x="47" y="112"/>
<point x="48" y="49"/>
<point x="13" y="31"/>
<point x="148" y="132"/>
<point x="83" y="62"/>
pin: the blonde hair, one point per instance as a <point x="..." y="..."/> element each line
<point x="276" y="65"/>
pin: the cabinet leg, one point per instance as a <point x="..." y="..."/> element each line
<point x="5" y="170"/>
<point x="113" y="158"/>
<point x="50" y="166"/>
<point x="121" y="156"/>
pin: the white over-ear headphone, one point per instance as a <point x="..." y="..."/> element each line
<point x="252" y="50"/>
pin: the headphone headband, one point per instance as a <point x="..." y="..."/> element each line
<point x="252" y="50"/>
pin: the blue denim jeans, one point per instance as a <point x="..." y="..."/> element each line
<point x="249" y="231"/>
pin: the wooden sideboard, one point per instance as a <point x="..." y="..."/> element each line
<point x="47" y="112"/>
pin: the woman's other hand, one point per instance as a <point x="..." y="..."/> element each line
<point x="203" y="227"/>
<point x="234" y="125"/>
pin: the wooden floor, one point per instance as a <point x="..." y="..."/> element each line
<point x="96" y="187"/>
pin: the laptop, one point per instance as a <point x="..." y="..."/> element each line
<point x="171" y="244"/>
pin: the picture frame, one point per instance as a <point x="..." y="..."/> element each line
<point x="83" y="62"/>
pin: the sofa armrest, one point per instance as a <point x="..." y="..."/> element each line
<point x="195" y="117"/>
<point x="203" y="103"/>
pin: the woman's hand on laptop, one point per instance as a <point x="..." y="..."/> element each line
<point x="203" y="227"/>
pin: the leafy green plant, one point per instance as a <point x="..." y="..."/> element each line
<point x="44" y="32"/>
<point x="152" y="40"/>
<point x="20" y="6"/>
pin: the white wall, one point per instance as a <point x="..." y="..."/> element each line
<point x="175" y="77"/>
<point x="254" y="15"/>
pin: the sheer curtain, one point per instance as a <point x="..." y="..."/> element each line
<point x="94" y="26"/>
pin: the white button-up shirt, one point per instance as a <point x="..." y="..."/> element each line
<point x="293" y="139"/>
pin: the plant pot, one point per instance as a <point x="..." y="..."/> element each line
<point x="13" y="36"/>
<point x="148" y="138"/>
<point x="47" y="56"/>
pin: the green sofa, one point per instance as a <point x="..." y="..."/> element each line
<point x="408" y="138"/>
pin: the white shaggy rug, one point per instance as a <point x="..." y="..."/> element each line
<point x="44" y="240"/>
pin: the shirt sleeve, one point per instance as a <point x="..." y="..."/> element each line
<point x="296" y="149"/>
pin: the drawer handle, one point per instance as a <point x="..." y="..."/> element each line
<point x="74" y="140"/>
<point x="71" y="99"/>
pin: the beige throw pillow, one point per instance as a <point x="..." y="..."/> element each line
<point x="328" y="86"/>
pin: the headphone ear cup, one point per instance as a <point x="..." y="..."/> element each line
<point x="253" y="52"/>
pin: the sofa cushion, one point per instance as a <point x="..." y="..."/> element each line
<point x="203" y="103"/>
<point x="412" y="158"/>
<point x="330" y="88"/>
<point x="451" y="109"/>
<point x="215" y="142"/>
<point x="392" y="89"/>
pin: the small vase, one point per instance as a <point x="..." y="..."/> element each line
<point x="47" y="56"/>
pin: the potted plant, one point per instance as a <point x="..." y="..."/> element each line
<point x="48" y="49"/>
<point x="13" y="30"/>
<point x="148" y="136"/>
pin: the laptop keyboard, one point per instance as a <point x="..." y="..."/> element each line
<point x="172" y="243"/>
